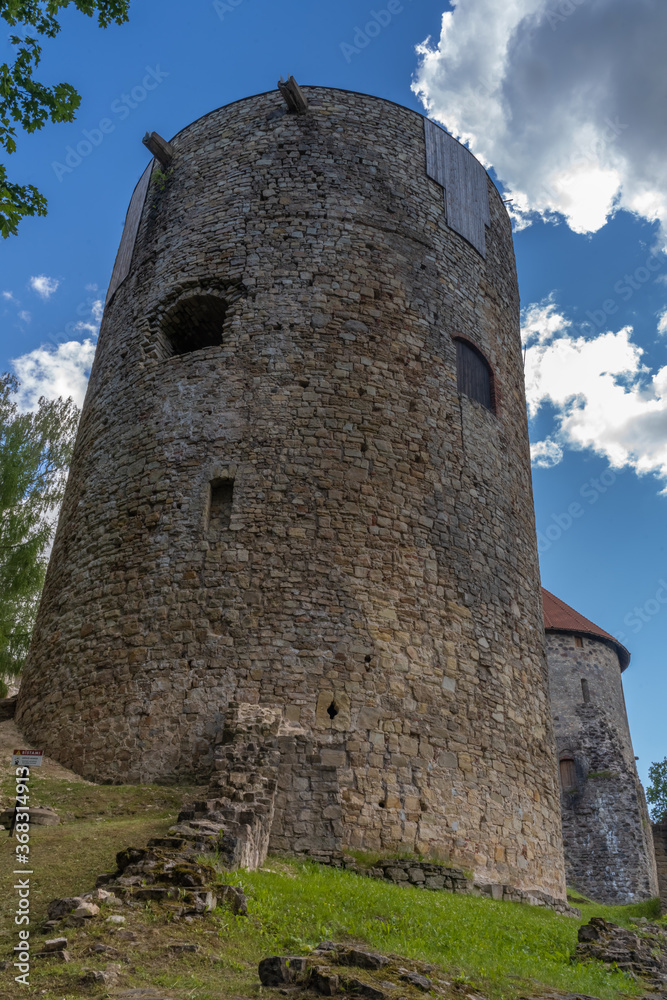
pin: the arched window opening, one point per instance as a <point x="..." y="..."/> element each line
<point x="568" y="774"/>
<point x="473" y="374"/>
<point x="220" y="507"/>
<point x="195" y="322"/>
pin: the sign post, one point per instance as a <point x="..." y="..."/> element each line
<point x="24" y="758"/>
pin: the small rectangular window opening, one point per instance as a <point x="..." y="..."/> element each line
<point x="220" y="509"/>
<point x="578" y="641"/>
<point x="585" y="690"/>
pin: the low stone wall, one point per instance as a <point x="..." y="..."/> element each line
<point x="430" y="875"/>
<point x="272" y="790"/>
<point x="660" y="846"/>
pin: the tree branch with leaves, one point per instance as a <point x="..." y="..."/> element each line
<point x="29" y="104"/>
<point x="656" y="793"/>
<point x="35" y="451"/>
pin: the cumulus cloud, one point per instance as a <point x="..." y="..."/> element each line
<point x="53" y="372"/>
<point x="60" y="368"/>
<point x="91" y="325"/>
<point x="44" y="286"/>
<point x="662" y="323"/>
<point x="564" y="99"/>
<point x="602" y="395"/>
<point x="545" y="454"/>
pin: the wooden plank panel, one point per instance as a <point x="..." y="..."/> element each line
<point x="464" y="179"/>
<point x="121" y="267"/>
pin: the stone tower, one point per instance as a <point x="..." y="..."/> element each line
<point x="302" y="481"/>
<point x="606" y="830"/>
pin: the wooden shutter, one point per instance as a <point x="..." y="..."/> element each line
<point x="568" y="774"/>
<point x="473" y="375"/>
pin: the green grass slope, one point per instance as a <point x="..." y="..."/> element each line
<point x="476" y="946"/>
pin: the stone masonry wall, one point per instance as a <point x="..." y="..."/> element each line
<point x="377" y="575"/>
<point x="660" y="846"/>
<point x="606" y="830"/>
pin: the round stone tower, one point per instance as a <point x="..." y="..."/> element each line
<point x="607" y="835"/>
<point x="302" y="481"/>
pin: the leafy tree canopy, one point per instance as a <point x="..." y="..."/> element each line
<point x="35" y="450"/>
<point x="656" y="793"/>
<point x="28" y="103"/>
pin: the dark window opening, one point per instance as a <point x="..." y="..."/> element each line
<point x="332" y="710"/>
<point x="578" y="641"/>
<point x="568" y="774"/>
<point x="473" y="374"/>
<point x="585" y="690"/>
<point x="222" y="498"/>
<point x="367" y="659"/>
<point x="195" y="322"/>
<point x="382" y="805"/>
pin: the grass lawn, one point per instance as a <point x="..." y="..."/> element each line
<point x="477" y="946"/>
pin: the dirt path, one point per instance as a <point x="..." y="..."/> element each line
<point x="11" y="739"/>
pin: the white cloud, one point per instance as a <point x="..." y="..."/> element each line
<point x="52" y="372"/>
<point x="60" y="370"/>
<point x="567" y="107"/>
<point x="545" y="454"/>
<point x="44" y="286"/>
<point x="92" y="325"/>
<point x="603" y="396"/>
<point x="662" y="323"/>
<point x="25" y="316"/>
<point x="9" y="297"/>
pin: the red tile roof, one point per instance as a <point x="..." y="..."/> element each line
<point x="560" y="617"/>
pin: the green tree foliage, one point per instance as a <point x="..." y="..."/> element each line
<point x="656" y="793"/>
<point x="28" y="103"/>
<point x="35" y="450"/>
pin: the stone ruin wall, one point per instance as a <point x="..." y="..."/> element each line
<point x="380" y="555"/>
<point x="606" y="830"/>
<point x="660" y="847"/>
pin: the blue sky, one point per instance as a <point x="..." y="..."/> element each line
<point x="586" y="180"/>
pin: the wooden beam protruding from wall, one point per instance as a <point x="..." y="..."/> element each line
<point x="293" y="96"/>
<point x="159" y="147"/>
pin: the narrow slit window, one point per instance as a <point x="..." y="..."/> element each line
<point x="222" y="499"/>
<point x="568" y="774"/>
<point x="195" y="322"/>
<point x="473" y="374"/>
<point x="585" y="691"/>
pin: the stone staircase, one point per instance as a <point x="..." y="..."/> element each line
<point x="237" y="821"/>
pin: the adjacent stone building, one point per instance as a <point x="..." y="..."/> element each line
<point x="606" y="830"/>
<point x="302" y="481"/>
<point x="660" y="846"/>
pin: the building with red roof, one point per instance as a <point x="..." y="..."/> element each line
<point x="607" y="838"/>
